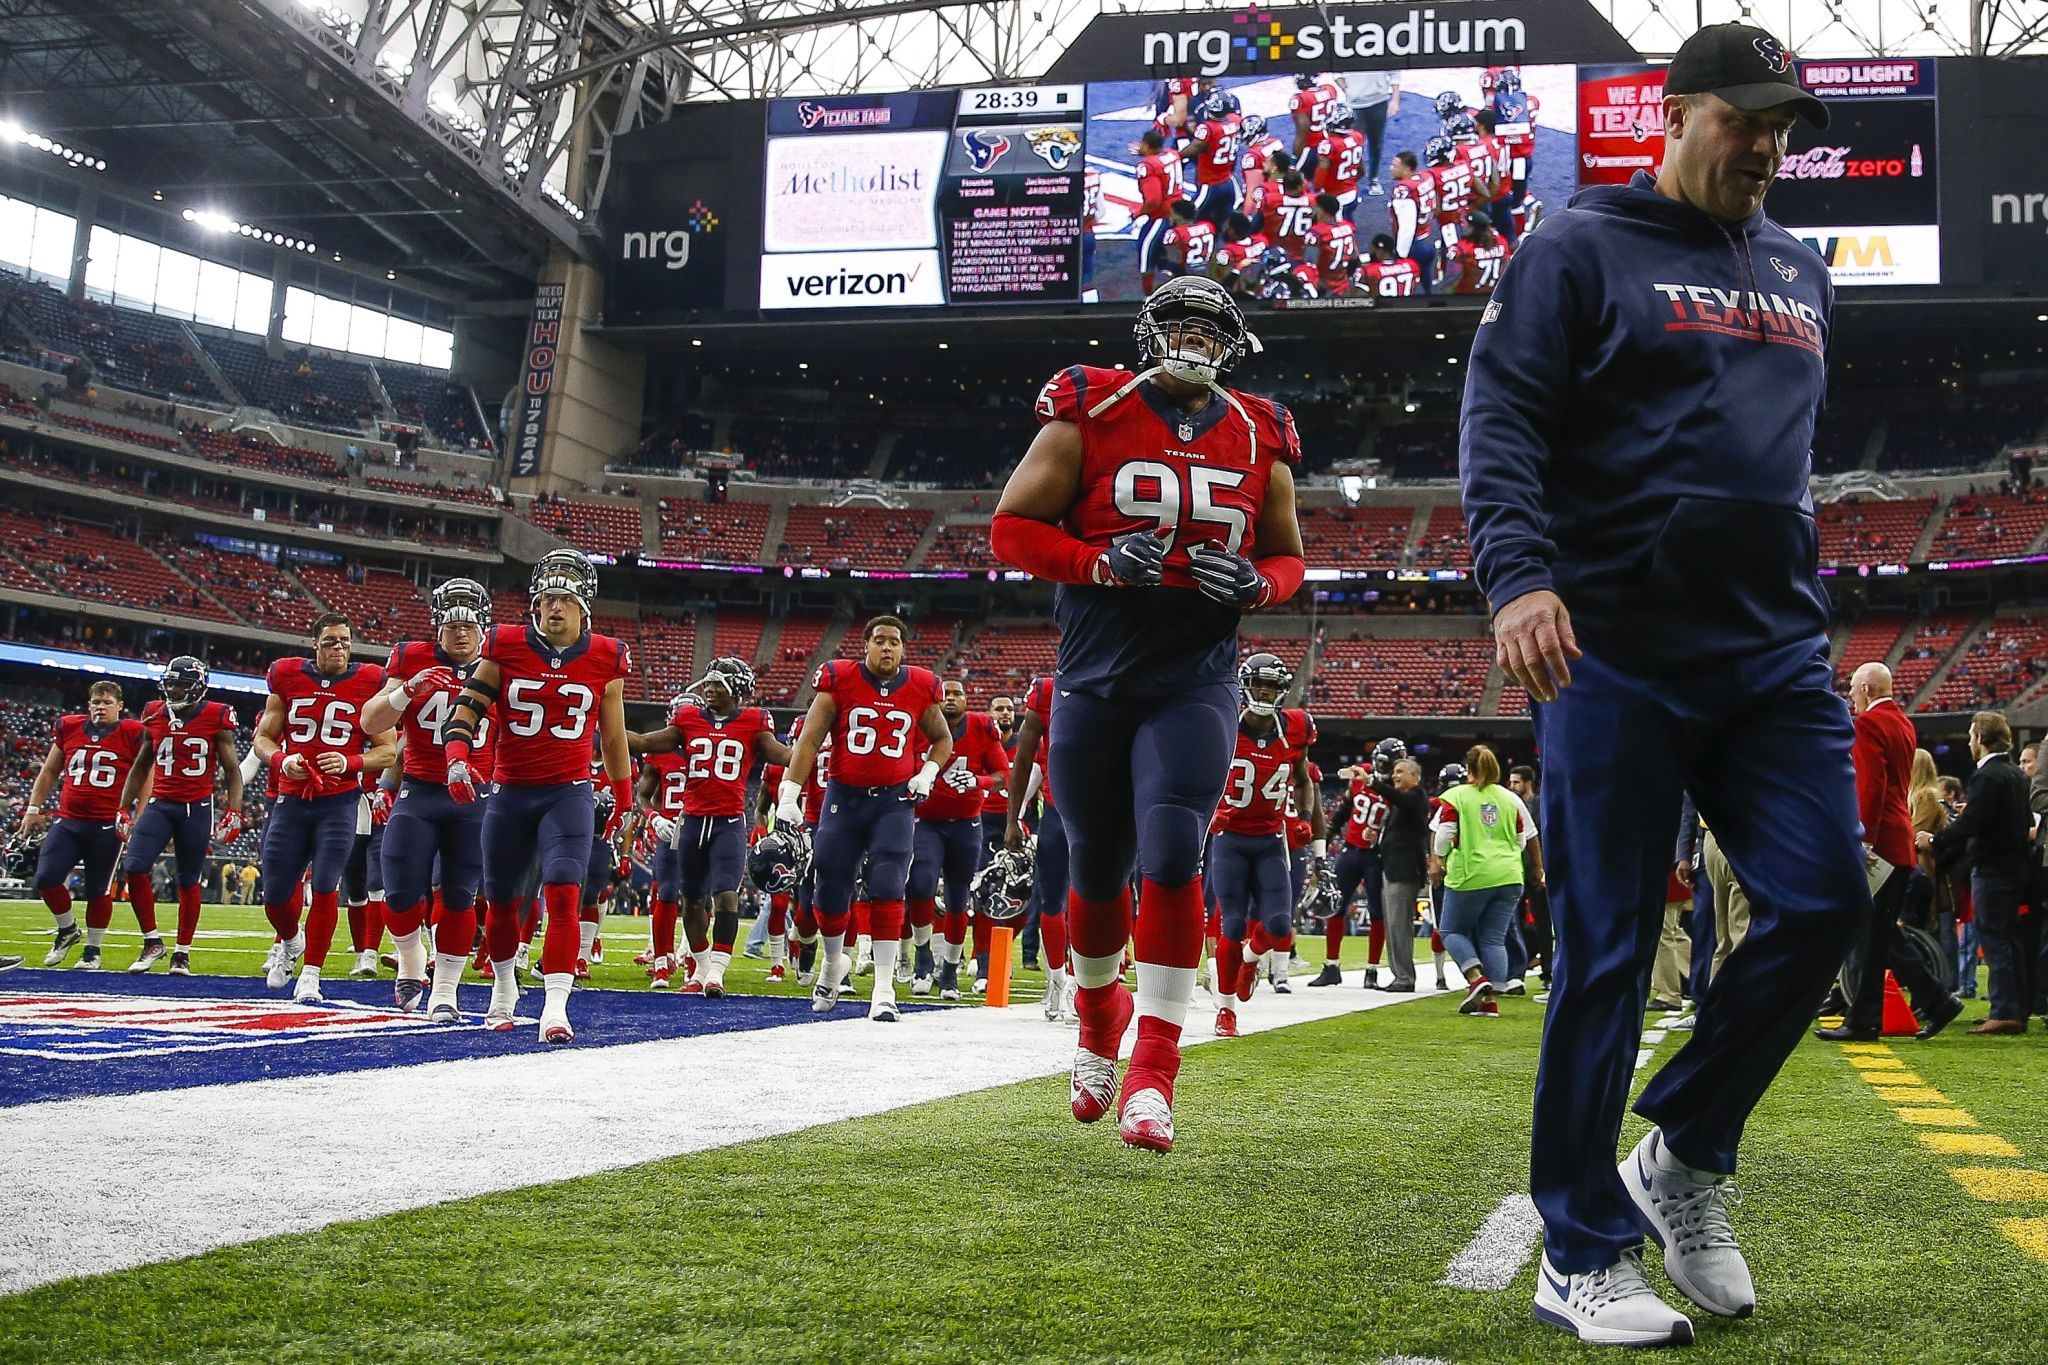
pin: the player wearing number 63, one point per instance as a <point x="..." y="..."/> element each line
<point x="89" y="755"/>
<point x="427" y="824"/>
<point x="1162" y="504"/>
<point x="313" y="740"/>
<point x="870" y="708"/>
<point x="551" y="679"/>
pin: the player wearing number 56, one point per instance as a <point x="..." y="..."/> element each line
<point x="1162" y="504"/>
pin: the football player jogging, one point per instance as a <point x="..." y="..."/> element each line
<point x="1248" y="861"/>
<point x="1162" y="504"/>
<point x="947" y="842"/>
<point x="870" y="708"/>
<point x="551" y="679"/>
<point x="428" y="828"/>
<point x="189" y="741"/>
<point x="313" y="740"/>
<point x="1159" y="189"/>
<point x="1358" y="868"/>
<point x="658" y="797"/>
<point x="1049" y="883"/>
<point x="90" y="756"/>
<point x="721" y="738"/>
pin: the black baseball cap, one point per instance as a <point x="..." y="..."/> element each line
<point x="1745" y="66"/>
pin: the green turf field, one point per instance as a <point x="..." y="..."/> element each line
<point x="1324" y="1177"/>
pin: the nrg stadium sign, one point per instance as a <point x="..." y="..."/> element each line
<point x="1256" y="40"/>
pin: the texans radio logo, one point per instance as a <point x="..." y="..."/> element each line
<point x="808" y="113"/>
<point x="1055" y="146"/>
<point x="1775" y="57"/>
<point x="984" y="148"/>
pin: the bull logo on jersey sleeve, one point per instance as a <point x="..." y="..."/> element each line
<point x="1056" y="147"/>
<point x="984" y="148"/>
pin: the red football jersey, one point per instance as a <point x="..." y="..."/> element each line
<point x="1365" y="815"/>
<point x="813" y="798"/>
<point x="1455" y="185"/>
<point x="1317" y="101"/>
<point x="1395" y="279"/>
<point x="1159" y="183"/>
<point x="1257" y="793"/>
<point x="427" y="717"/>
<point x="979" y="761"/>
<point x="673" y="777"/>
<point x="1334" y="252"/>
<point x="1197" y="477"/>
<point x="184" y="748"/>
<point x="1340" y="162"/>
<point x="996" y="801"/>
<point x="548" y="700"/>
<point x="720" y="754"/>
<point x="96" y="765"/>
<point x="1252" y="160"/>
<point x="875" y="733"/>
<point x="1193" y="243"/>
<point x="1291" y="221"/>
<point x="1240" y="255"/>
<point x="1038" y="701"/>
<point x="322" y="715"/>
<point x="1477" y="268"/>
<point x="1220" y="139"/>
<point x="1413" y="198"/>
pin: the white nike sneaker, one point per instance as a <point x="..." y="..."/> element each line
<point x="823" y="998"/>
<point x="1611" y="1307"/>
<point x="308" y="990"/>
<point x="1686" y="1211"/>
<point x="277" y="967"/>
<point x="920" y="985"/>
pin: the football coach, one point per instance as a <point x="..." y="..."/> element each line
<point x="1634" y="453"/>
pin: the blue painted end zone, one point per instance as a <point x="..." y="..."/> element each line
<point x="66" y="1034"/>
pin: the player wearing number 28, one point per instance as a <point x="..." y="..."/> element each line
<point x="551" y="679"/>
<point x="1162" y="504"/>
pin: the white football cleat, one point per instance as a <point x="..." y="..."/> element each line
<point x="1056" y="989"/>
<point x="864" y="961"/>
<point x="498" y="1018"/>
<point x="366" y="963"/>
<point x="1610" y="1307"/>
<point x="905" y="969"/>
<point x="1686" y="1212"/>
<point x="882" y="1009"/>
<point x="823" y="998"/>
<point x="554" y="1024"/>
<point x="277" y="966"/>
<point x="153" y="952"/>
<point x="307" y="992"/>
<point x="1146" y="1122"/>
<point x="920" y="985"/>
<point x="1091" y="1088"/>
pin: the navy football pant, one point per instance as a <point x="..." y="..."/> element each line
<point x="1358" y="869"/>
<point x="597" y="873"/>
<point x="1049" y="870"/>
<point x="364" y="875"/>
<point x="713" y="853"/>
<point x="426" y="825"/>
<point x="1763" y="746"/>
<point x="1249" y="874"/>
<point x="668" y="873"/>
<point x="68" y="843"/>
<point x="552" y="823"/>
<point x="186" y="827"/>
<point x="316" y="834"/>
<point x="948" y="850"/>
<point x="859" y="823"/>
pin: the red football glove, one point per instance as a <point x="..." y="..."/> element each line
<point x="124" y="824"/>
<point x="230" y="828"/>
<point x="436" y="679"/>
<point x="622" y="806"/>
<point x="380" y="805"/>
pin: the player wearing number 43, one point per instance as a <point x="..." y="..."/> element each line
<point x="720" y="739"/>
<point x="1162" y="504"/>
<point x="313" y="740"/>
<point x="551" y="679"/>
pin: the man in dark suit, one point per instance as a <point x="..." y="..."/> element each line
<point x="1883" y="753"/>
<point x="1994" y="829"/>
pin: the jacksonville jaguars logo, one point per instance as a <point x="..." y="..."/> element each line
<point x="1775" y="57"/>
<point x="1056" y="147"/>
<point x="984" y="148"/>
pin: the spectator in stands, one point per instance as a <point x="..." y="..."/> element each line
<point x="1994" y="830"/>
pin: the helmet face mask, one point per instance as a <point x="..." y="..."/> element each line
<point x="183" y="685"/>
<point x="1438" y="151"/>
<point x="461" y="602"/>
<point x="1192" y="329"/>
<point x="1267" y="674"/>
<point x="567" y="573"/>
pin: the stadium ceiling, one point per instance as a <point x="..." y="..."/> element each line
<point x="458" y="141"/>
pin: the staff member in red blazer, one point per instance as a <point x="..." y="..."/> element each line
<point x="1883" y="754"/>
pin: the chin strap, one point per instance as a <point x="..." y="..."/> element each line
<point x="1229" y="399"/>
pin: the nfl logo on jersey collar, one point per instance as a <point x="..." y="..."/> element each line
<point x="885" y="685"/>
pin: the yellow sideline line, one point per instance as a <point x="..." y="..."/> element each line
<point x="1924" y="1107"/>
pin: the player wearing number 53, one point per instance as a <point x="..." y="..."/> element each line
<point x="1162" y="504"/>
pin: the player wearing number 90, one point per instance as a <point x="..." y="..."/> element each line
<point x="869" y="708"/>
<point x="551" y="679"/>
<point x="314" y="742"/>
<point x="426" y="822"/>
<point x="1162" y="504"/>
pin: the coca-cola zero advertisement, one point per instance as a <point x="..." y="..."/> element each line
<point x="1873" y="163"/>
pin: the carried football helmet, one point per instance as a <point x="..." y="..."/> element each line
<point x="183" y="685"/>
<point x="1448" y="103"/>
<point x="1254" y="127"/>
<point x="779" y="860"/>
<point x="1341" y="119"/>
<point x="1387" y="753"/>
<point x="1460" y="127"/>
<point x="1264" y="670"/>
<point x="687" y="697"/>
<point x="1451" y="775"/>
<point x="1319" y="898"/>
<point x="1002" y="889"/>
<point x="568" y="571"/>
<point x="603" y="803"/>
<point x="1184" y="306"/>
<point x="462" y="602"/>
<point x="1439" y="151"/>
<point x="1508" y="78"/>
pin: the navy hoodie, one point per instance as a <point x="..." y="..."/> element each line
<point x="1638" y="430"/>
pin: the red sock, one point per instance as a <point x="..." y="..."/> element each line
<point x="502" y="935"/>
<point x="1053" y="930"/>
<point x="529" y="919"/>
<point x="806" y="921"/>
<point x="700" y="941"/>
<point x="58" y="898"/>
<point x="1229" y="961"/>
<point x="188" y="915"/>
<point x="923" y="913"/>
<point x="830" y="924"/>
<point x="887" y="919"/>
<point x="664" y="928"/>
<point x="358" y="923"/>
<point x="455" y="932"/>
<point x="434" y="915"/>
<point x="864" y="919"/>
<point x="1099" y="1007"/>
<point x="374" y="920"/>
<point x="1098" y="928"/>
<point x="320" y="922"/>
<point x="1333" y="937"/>
<point x="99" y="911"/>
<point x="403" y="922"/>
<point x="1261" y="941"/>
<point x="1169" y="928"/>
<point x="956" y="927"/>
<point x="778" y="915"/>
<point x="142" y="895"/>
<point x="564" y="941"/>
<point x="283" y="917"/>
<point x="1376" y="942"/>
<point x="1155" y="1058"/>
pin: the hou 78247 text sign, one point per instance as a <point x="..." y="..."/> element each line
<point x="543" y="335"/>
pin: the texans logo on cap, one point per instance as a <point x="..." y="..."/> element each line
<point x="984" y="148"/>
<point x="1775" y="57"/>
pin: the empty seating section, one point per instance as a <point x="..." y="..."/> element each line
<point x="1356" y="537"/>
<point x="738" y="633"/>
<point x="1870" y="641"/>
<point x="779" y="447"/>
<point x="1990" y="526"/>
<point x="719" y="533"/>
<point x="1841" y="438"/>
<point x="1931" y="642"/>
<point x="1003" y="658"/>
<point x="128" y="349"/>
<point x="1961" y="432"/>
<point x="958" y="458"/>
<point x="861" y="537"/>
<point x="79" y="560"/>
<point x="783" y="676"/>
<point x="439" y="492"/>
<point x="1419" y="450"/>
<point x="930" y="643"/>
<point x="114" y="431"/>
<point x="961" y="546"/>
<point x="2005" y="659"/>
<point x="607" y="528"/>
<point x="15" y="574"/>
<point x="1363" y="676"/>
<point x="445" y="409"/>
<point x="1443" y="544"/>
<point x="1514" y="700"/>
<point x="322" y="391"/>
<point x="251" y="451"/>
<point x="666" y="659"/>
<point x="383" y="607"/>
<point x="1871" y="532"/>
<point x="1290" y="649"/>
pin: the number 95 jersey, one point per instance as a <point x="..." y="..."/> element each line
<point x="1148" y="466"/>
<point x="874" y="738"/>
<point x="548" y="700"/>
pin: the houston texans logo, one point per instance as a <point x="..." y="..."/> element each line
<point x="1788" y="273"/>
<point x="1775" y="57"/>
<point x="984" y="148"/>
<point x="808" y="113"/>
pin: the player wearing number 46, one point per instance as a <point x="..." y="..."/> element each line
<point x="428" y="825"/>
<point x="550" y="678"/>
<point x="1162" y="504"/>
<point x="313" y="740"/>
<point x="720" y="739"/>
<point x="89" y="755"/>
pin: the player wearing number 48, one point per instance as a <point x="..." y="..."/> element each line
<point x="1162" y="504"/>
